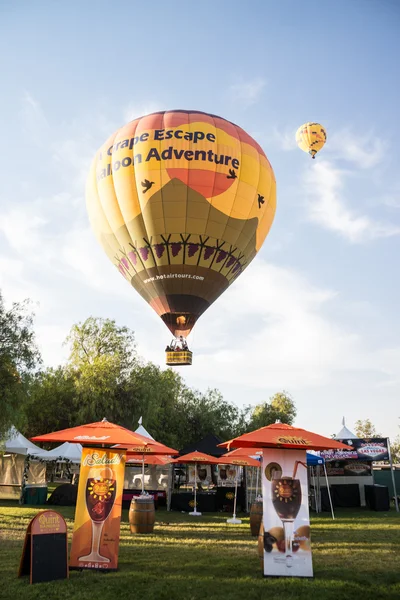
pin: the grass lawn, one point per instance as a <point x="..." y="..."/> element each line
<point x="357" y="556"/>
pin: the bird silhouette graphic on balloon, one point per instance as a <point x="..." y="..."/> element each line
<point x="232" y="174"/>
<point x="147" y="185"/>
<point x="260" y="200"/>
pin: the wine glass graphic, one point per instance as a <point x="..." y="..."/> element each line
<point x="101" y="488"/>
<point x="286" y="499"/>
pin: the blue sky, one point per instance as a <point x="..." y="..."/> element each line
<point x="317" y="312"/>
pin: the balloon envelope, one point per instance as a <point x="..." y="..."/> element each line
<point x="311" y="137"/>
<point x="181" y="202"/>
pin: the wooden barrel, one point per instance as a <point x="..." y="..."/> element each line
<point x="256" y="514"/>
<point x="261" y="545"/>
<point x="142" y="514"/>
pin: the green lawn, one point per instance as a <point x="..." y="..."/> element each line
<point x="356" y="557"/>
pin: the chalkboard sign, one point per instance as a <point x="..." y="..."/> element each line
<point x="45" y="553"/>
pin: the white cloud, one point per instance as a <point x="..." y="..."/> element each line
<point x="363" y="151"/>
<point x="273" y="329"/>
<point x="247" y="92"/>
<point x="326" y="205"/>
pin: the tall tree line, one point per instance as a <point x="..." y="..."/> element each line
<point x="105" y="377"/>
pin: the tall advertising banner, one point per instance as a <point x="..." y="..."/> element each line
<point x="287" y="544"/>
<point x="95" y="539"/>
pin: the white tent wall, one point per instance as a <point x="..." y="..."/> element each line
<point x="12" y="475"/>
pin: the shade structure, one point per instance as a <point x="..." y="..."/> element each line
<point x="65" y="452"/>
<point x="314" y="460"/>
<point x="234" y="458"/>
<point x="243" y="452"/>
<point x="16" y="443"/>
<point x="152" y="459"/>
<point x="147" y="459"/>
<point x="241" y="461"/>
<point x="281" y="435"/>
<point x="194" y="458"/>
<point x="147" y="446"/>
<point x="95" y="434"/>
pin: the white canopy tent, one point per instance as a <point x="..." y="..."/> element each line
<point x="65" y="452"/>
<point x="16" y="470"/>
<point x="16" y="443"/>
<point x="142" y="430"/>
<point x="344" y="433"/>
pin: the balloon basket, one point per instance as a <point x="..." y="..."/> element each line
<point x="178" y="357"/>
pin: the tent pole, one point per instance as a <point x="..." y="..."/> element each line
<point x="170" y="485"/>
<point x="396" y="502"/>
<point x="329" y="492"/>
<point x="315" y="488"/>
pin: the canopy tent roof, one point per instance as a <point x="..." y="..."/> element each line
<point x="196" y="457"/>
<point x="314" y="460"/>
<point x="148" y="446"/>
<point x="142" y="430"/>
<point x="99" y="433"/>
<point x="344" y="433"/>
<point x="16" y="443"/>
<point x="153" y="459"/>
<point x="209" y="445"/>
<point x="67" y="451"/>
<point x="280" y="435"/>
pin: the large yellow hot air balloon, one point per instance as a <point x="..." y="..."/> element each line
<point x="311" y="137"/>
<point x="181" y="202"/>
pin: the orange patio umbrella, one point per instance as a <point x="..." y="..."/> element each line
<point x="281" y="435"/>
<point x="252" y="452"/>
<point x="235" y="458"/>
<point x="148" y="448"/>
<point x="195" y="458"/>
<point x="152" y="459"/>
<point x="101" y="433"/>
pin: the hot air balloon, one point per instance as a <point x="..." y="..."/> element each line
<point x="181" y="202"/>
<point x="311" y="137"/>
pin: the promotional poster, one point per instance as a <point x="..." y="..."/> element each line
<point x="287" y="544"/>
<point x="227" y="475"/>
<point x="95" y="539"/>
<point x="203" y="474"/>
<point x="371" y="449"/>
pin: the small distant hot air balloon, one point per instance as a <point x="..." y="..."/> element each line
<point x="181" y="202"/>
<point x="311" y="137"/>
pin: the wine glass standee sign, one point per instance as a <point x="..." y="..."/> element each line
<point x="287" y="548"/>
<point x="95" y="540"/>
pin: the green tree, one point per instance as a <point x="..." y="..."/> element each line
<point x="366" y="429"/>
<point x="18" y="356"/>
<point x="101" y="338"/>
<point x="102" y="357"/>
<point x="204" y="413"/>
<point x="49" y="401"/>
<point x="280" y="407"/>
<point x="395" y="450"/>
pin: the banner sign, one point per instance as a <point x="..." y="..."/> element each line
<point x="348" y="468"/>
<point x="203" y="474"/>
<point x="372" y="449"/>
<point x="95" y="539"/>
<point x="45" y="552"/>
<point x="227" y="475"/>
<point x="287" y="545"/>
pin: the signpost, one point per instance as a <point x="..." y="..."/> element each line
<point x="45" y="552"/>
